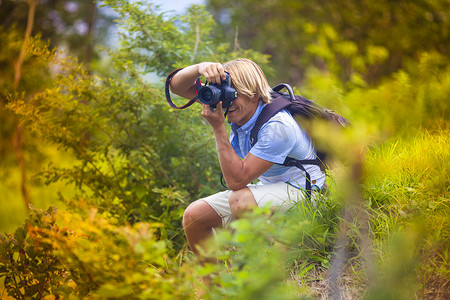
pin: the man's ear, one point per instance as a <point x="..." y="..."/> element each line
<point x="256" y="99"/>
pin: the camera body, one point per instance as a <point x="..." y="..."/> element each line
<point x="212" y="93"/>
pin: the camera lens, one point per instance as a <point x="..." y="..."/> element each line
<point x="209" y="95"/>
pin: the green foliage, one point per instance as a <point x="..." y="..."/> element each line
<point x="408" y="187"/>
<point x="96" y="259"/>
<point x="400" y="106"/>
<point x="253" y="261"/>
<point x="348" y="38"/>
<point x="258" y="251"/>
<point x="29" y="267"/>
<point x="129" y="147"/>
<point x="160" y="44"/>
<point x="34" y="77"/>
<point x="108" y="261"/>
<point x="312" y="229"/>
<point x="76" y="25"/>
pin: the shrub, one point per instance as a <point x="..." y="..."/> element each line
<point x="65" y="255"/>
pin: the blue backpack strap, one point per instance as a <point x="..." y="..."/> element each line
<point x="271" y="109"/>
<point x="279" y="103"/>
<point x="292" y="162"/>
<point x="198" y="85"/>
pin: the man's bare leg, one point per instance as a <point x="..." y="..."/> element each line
<point x="199" y="219"/>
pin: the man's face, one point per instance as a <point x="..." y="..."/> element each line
<point x="242" y="110"/>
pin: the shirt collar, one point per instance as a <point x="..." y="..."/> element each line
<point x="250" y="123"/>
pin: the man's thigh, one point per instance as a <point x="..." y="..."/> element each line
<point x="219" y="202"/>
<point x="278" y="195"/>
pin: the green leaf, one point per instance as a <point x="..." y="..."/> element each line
<point x="32" y="290"/>
<point x="20" y="235"/>
<point x="207" y="269"/>
<point x="65" y="289"/>
<point x="109" y="290"/>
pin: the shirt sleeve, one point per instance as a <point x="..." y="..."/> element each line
<point x="275" y="142"/>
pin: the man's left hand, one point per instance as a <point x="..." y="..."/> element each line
<point x="214" y="117"/>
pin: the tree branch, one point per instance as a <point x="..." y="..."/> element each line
<point x="18" y="134"/>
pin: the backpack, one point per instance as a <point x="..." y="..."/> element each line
<point x="304" y="108"/>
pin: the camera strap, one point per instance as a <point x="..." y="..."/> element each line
<point x="198" y="85"/>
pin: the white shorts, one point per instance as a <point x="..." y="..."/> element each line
<point x="278" y="195"/>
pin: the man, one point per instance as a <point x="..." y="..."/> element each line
<point x="241" y="164"/>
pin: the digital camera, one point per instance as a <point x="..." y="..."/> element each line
<point x="212" y="93"/>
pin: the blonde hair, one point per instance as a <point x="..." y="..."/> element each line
<point x="248" y="79"/>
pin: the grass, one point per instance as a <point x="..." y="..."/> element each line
<point x="406" y="189"/>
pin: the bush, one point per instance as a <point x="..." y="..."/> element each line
<point x="48" y="255"/>
<point x="28" y="266"/>
<point x="258" y="253"/>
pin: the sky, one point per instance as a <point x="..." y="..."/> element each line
<point x="177" y="6"/>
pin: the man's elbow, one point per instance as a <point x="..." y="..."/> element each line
<point x="236" y="187"/>
<point x="236" y="184"/>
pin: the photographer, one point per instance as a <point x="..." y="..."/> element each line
<point x="241" y="164"/>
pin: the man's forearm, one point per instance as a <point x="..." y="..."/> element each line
<point x="184" y="80"/>
<point x="230" y="163"/>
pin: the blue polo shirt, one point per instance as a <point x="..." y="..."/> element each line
<point x="279" y="138"/>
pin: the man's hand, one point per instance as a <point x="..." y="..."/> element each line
<point x="215" y="118"/>
<point x="213" y="72"/>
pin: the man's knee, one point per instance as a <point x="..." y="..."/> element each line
<point x="191" y="214"/>
<point x="241" y="201"/>
<point x="200" y="213"/>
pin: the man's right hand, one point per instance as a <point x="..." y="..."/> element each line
<point x="213" y="72"/>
